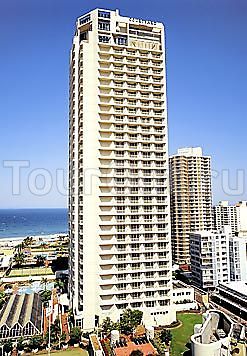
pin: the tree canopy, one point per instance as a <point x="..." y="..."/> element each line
<point x="130" y="319"/>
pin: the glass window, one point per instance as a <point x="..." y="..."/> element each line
<point x="85" y="19"/>
<point x="104" y="14"/>
<point x="104" y="39"/>
<point x="104" y="25"/>
<point x="121" y="40"/>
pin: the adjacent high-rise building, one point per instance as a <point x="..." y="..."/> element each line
<point x="238" y="257"/>
<point x="225" y="215"/>
<point x="210" y="262"/>
<point x="234" y="216"/>
<point x="120" y="249"/>
<point x="191" y="199"/>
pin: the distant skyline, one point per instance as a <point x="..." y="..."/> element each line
<point x="206" y="76"/>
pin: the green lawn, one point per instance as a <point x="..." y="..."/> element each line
<point x="35" y="271"/>
<point x="70" y="352"/>
<point x="181" y="336"/>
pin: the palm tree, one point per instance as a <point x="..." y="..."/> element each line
<point x="59" y="284"/>
<point x="44" y="281"/>
<point x="3" y="298"/>
<point x="7" y="346"/>
<point x="45" y="296"/>
<point x="28" y="241"/>
<point x="40" y="260"/>
<point x="19" y="259"/>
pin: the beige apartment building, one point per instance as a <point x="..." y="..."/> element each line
<point x="191" y="199"/>
<point x="120" y="251"/>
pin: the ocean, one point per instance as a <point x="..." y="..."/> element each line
<point x="26" y="222"/>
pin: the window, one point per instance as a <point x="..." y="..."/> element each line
<point x="132" y="119"/>
<point x="133" y="199"/>
<point x="84" y="36"/>
<point x="136" y="275"/>
<point x="134" y="256"/>
<point x="121" y="286"/>
<point x="133" y="154"/>
<point x="149" y="274"/>
<point x="120" y="200"/>
<point x="120" y="228"/>
<point x="149" y="265"/>
<point x="104" y="14"/>
<point x="132" y="102"/>
<point x="119" y="181"/>
<point x="122" y="277"/>
<point x="148" y="218"/>
<point x="85" y="19"/>
<point x="118" y="67"/>
<point x="148" y="255"/>
<point x="131" y="69"/>
<point x="120" y="218"/>
<point x="104" y="25"/>
<point x="121" y="257"/>
<point x="135" y="247"/>
<point x="136" y="295"/>
<point x="163" y="302"/>
<point x="120" y="190"/>
<point x="149" y="294"/>
<point x="119" y="118"/>
<point x="104" y="39"/>
<point x="149" y="246"/>
<point x="134" y="228"/>
<point x="120" y="237"/>
<point x="135" y="265"/>
<point x="135" y="237"/>
<point x="134" y="218"/>
<point x="121" y="40"/>
<point x="136" y="285"/>
<point x="118" y="92"/>
<point x="133" y="181"/>
<point x="133" y="190"/>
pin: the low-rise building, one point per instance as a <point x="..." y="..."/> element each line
<point x="209" y="252"/>
<point x="183" y="296"/>
<point x="232" y="296"/>
<point x="21" y="316"/>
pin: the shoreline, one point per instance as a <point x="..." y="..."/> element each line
<point x="13" y="241"/>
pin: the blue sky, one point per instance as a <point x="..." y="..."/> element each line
<point x="206" y="70"/>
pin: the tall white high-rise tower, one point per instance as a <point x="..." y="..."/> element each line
<point x="120" y="251"/>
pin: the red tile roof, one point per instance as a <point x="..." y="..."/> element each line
<point x="147" y="349"/>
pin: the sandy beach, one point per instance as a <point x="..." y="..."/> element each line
<point x="14" y="241"/>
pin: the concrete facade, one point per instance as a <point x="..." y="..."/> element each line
<point x="120" y="243"/>
<point x="238" y="258"/>
<point x="191" y="199"/>
<point x="210" y="263"/>
<point x="234" y="216"/>
<point x="213" y="337"/>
